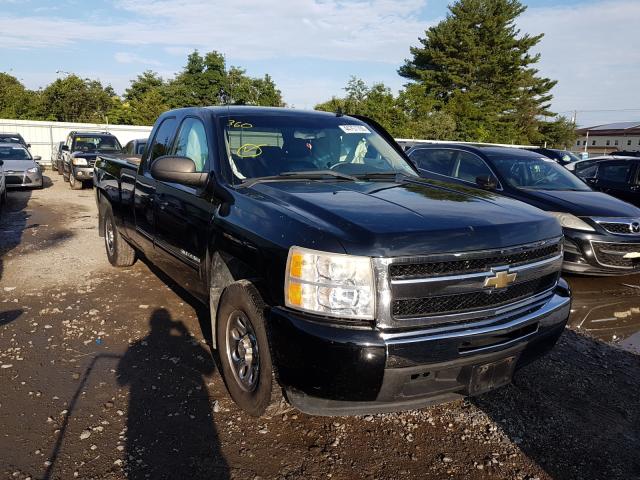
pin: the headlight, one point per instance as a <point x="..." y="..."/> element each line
<point x="32" y="170"/>
<point x="330" y="284"/>
<point x="80" y="162"/>
<point x="571" y="221"/>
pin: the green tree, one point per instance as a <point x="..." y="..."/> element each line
<point x="558" y="133"/>
<point x="73" y="99"/>
<point x="15" y="100"/>
<point x="476" y="66"/>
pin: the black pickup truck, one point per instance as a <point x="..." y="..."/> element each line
<point x="334" y="274"/>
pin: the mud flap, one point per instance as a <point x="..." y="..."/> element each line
<point x="492" y="375"/>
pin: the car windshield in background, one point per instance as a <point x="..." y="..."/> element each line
<point x="10" y="139"/>
<point x="14" y="153"/>
<point x="96" y="144"/>
<point x="266" y="146"/>
<point x="566" y="156"/>
<point x="535" y="173"/>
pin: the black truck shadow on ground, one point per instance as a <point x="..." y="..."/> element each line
<point x="13" y="222"/>
<point x="582" y="397"/>
<point x="170" y="427"/>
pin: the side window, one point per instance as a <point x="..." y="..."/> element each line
<point x="191" y="142"/>
<point x="468" y="167"/>
<point x="587" y="171"/>
<point x="615" y="172"/>
<point x="162" y="140"/>
<point x="128" y="148"/>
<point x="436" y="161"/>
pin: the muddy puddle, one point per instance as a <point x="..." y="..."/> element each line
<point x="608" y="308"/>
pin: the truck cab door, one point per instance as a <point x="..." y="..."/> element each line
<point x="145" y="194"/>
<point x="184" y="213"/>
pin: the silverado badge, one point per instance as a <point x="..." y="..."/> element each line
<point x="500" y="280"/>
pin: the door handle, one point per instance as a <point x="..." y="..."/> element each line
<point x="163" y="205"/>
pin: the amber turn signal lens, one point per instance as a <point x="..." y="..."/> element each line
<point x="295" y="269"/>
<point x="295" y="293"/>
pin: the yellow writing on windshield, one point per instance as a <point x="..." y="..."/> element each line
<point x="249" y="150"/>
<point x="238" y="124"/>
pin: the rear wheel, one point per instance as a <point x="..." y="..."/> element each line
<point x="119" y="252"/>
<point x="243" y="345"/>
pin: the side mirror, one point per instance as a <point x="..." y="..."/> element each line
<point x="178" y="170"/>
<point x="37" y="158"/>
<point x="486" y="182"/>
<point x="65" y="148"/>
<point x="1" y="163"/>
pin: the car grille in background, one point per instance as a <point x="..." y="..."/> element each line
<point x="617" y="227"/>
<point x="612" y="254"/>
<point x="459" y="303"/>
<point x="402" y="271"/>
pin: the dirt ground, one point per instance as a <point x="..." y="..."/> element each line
<point x="107" y="373"/>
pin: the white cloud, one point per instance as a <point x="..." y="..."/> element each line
<point x="593" y="51"/>
<point x="365" y="30"/>
<point x="128" y="57"/>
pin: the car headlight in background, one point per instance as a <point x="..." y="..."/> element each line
<point x="79" y="162"/>
<point x="33" y="170"/>
<point x="330" y="284"/>
<point x="571" y="221"/>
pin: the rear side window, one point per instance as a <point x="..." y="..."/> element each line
<point x="469" y="167"/>
<point x="191" y="142"/>
<point x="615" y="172"/>
<point x="436" y="161"/>
<point x="163" y="139"/>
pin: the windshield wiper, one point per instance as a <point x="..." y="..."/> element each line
<point x="379" y="175"/>
<point x="302" y="175"/>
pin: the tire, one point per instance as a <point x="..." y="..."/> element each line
<point x="119" y="252"/>
<point x="241" y="303"/>
<point x="3" y="198"/>
<point x="59" y="168"/>
<point x="74" y="183"/>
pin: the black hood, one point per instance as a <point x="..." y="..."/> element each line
<point x="408" y="217"/>
<point x="587" y="203"/>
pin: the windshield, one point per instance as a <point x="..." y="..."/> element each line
<point x="106" y="143"/>
<point x="536" y="173"/>
<point x="567" y="157"/>
<point x="14" y="153"/>
<point x="271" y="145"/>
<point x="10" y="139"/>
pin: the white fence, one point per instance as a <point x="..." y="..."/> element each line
<point x="44" y="135"/>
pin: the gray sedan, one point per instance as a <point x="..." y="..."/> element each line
<point x="20" y="168"/>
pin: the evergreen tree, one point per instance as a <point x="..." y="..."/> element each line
<point x="476" y="66"/>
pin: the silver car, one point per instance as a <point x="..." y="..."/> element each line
<point x="20" y="168"/>
<point x="3" y="186"/>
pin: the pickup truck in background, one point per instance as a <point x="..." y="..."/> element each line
<point x="80" y="152"/>
<point x="333" y="273"/>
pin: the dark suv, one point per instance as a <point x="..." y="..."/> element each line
<point x="79" y="155"/>
<point x="600" y="237"/>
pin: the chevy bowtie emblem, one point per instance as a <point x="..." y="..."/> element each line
<point x="500" y="280"/>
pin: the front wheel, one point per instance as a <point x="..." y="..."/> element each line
<point x="119" y="252"/>
<point x="245" y="357"/>
<point x="74" y="183"/>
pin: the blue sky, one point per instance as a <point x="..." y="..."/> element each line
<point x="311" y="47"/>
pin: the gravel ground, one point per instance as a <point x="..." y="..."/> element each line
<point x="107" y="373"/>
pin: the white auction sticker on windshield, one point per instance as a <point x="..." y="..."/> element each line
<point x="354" y="129"/>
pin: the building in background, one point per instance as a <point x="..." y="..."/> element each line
<point x="611" y="137"/>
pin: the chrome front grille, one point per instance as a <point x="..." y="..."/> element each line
<point x="620" y="226"/>
<point x="400" y="271"/>
<point x="468" y="286"/>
